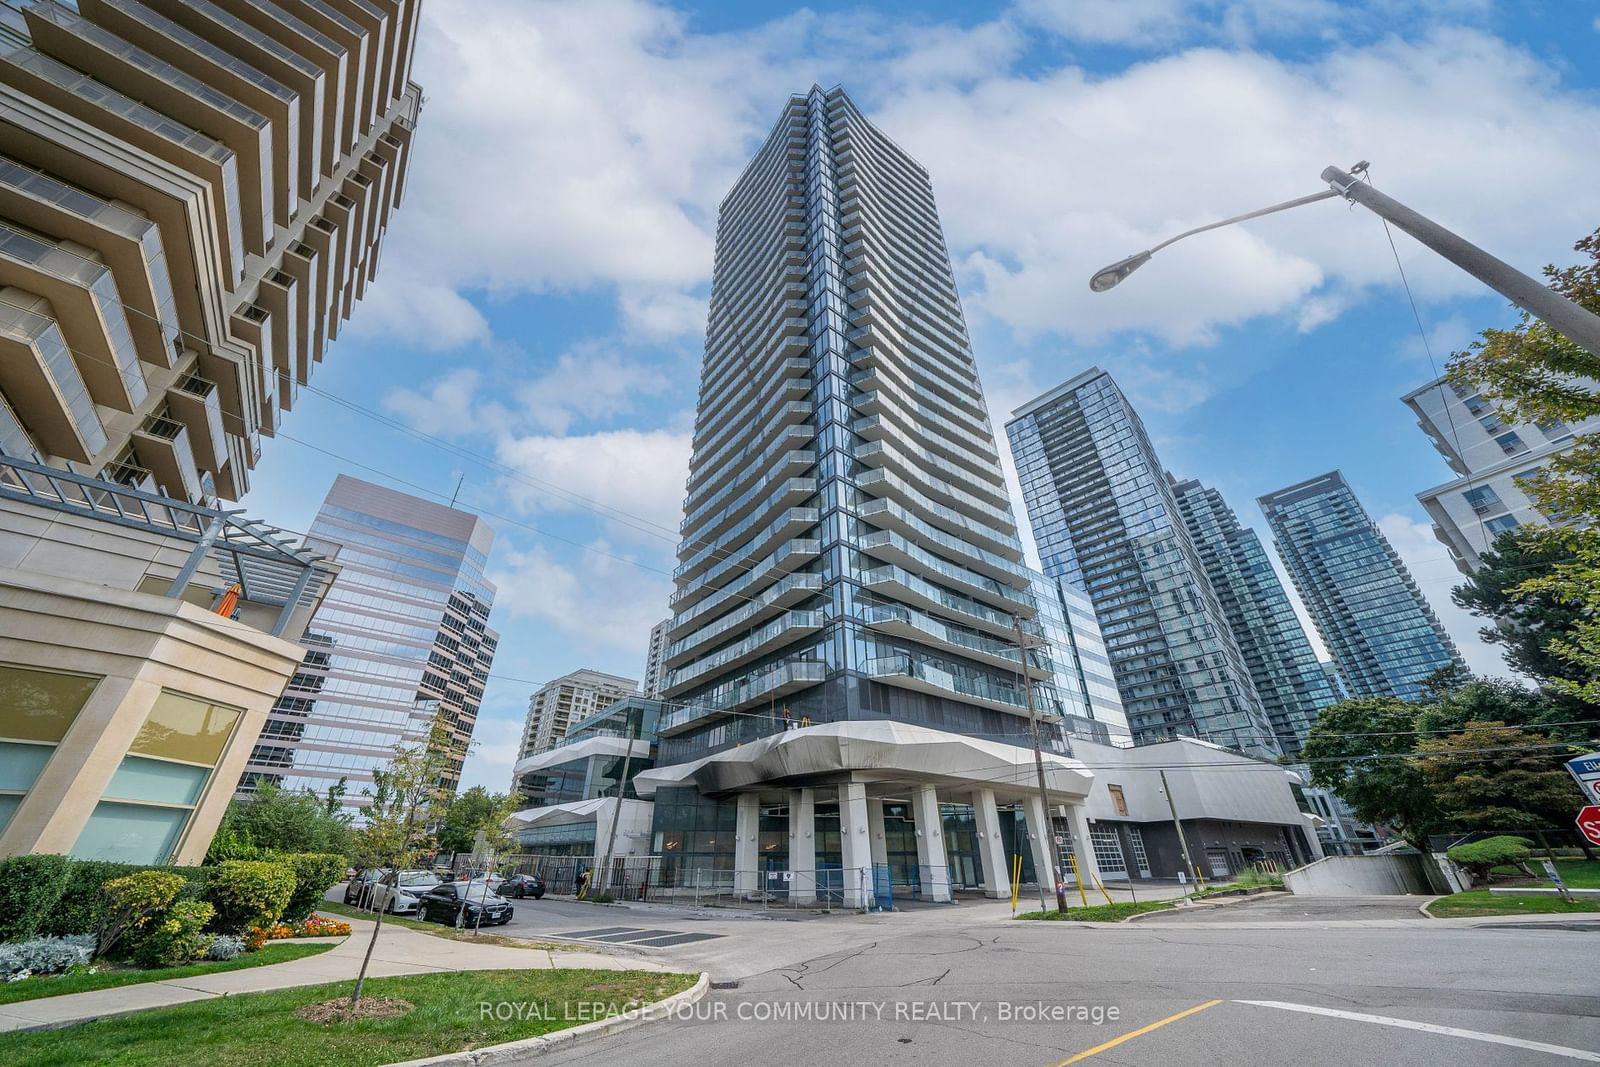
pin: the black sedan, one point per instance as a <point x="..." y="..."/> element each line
<point x="484" y="907"/>
<point x="522" y="886"/>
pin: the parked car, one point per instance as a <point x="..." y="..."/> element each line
<point x="442" y="904"/>
<point x="522" y="886"/>
<point x="399" y="894"/>
<point x="360" y="886"/>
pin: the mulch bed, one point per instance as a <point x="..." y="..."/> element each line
<point x="340" y="1011"/>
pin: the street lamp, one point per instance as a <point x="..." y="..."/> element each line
<point x="1582" y="326"/>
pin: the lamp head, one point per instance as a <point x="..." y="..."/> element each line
<point x="1110" y="276"/>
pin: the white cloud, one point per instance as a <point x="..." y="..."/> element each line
<point x="634" y="476"/>
<point x="495" y="744"/>
<point x="1435" y="575"/>
<point x="603" y="601"/>
<point x="447" y="407"/>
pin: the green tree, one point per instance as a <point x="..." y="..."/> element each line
<point x="1521" y="623"/>
<point x="1535" y="375"/>
<point x="279" y="820"/>
<point x="407" y="797"/>
<point x="474" y="810"/>
<point x="1490" y="777"/>
<point x="1497" y="700"/>
<point x="1364" y="750"/>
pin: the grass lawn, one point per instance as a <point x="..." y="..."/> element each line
<point x="1578" y="874"/>
<point x="1481" y="902"/>
<point x="262" y="1029"/>
<point x="60" y="984"/>
<point x="1100" y="913"/>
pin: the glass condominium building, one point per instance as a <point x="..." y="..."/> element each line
<point x="1370" y="613"/>
<point x="401" y="638"/>
<point x="1105" y="521"/>
<point x="1291" y="683"/>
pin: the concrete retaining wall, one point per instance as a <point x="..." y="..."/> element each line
<point x="1360" y="876"/>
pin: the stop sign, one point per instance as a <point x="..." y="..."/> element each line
<point x="1589" y="823"/>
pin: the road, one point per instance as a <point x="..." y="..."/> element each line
<point x="1280" y="981"/>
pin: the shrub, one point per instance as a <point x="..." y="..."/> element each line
<point x="175" y="937"/>
<point x="45" y="955"/>
<point x="314" y="872"/>
<point x="249" y="893"/>
<point x="29" y="889"/>
<point x="82" y="905"/>
<point x="1481" y="857"/>
<point x="133" y="901"/>
<point x="225" y="947"/>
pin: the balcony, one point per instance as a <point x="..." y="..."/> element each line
<point x="902" y="622"/>
<point x="194" y="402"/>
<point x="162" y="445"/>
<point x="908" y="672"/>
<point x="717" y="556"/>
<point x="767" y="684"/>
<point x="773" y="635"/>
<point x="890" y="547"/>
<point x="888" y="514"/>
<point x="898" y="584"/>
<point x="773" y="599"/>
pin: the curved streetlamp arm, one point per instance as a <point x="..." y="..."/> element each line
<point x="1285" y="206"/>
<point x="1119" y="270"/>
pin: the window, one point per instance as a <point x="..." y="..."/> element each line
<point x="1501" y="524"/>
<point x="36" y="710"/>
<point x="1510" y="443"/>
<point x="1107" y="850"/>
<point x="1118" y="801"/>
<point x="147" y="804"/>
<point x="1482" y="499"/>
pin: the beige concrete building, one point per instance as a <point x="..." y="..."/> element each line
<point x="564" y="701"/>
<point x="193" y="194"/>
<point x="128" y="704"/>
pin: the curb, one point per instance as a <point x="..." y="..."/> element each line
<point x="1166" y="911"/>
<point x="532" y="1046"/>
<point x="1423" y="907"/>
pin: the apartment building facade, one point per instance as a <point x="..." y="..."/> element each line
<point x="1368" y="609"/>
<point x="401" y="639"/>
<point x="654" y="655"/>
<point x="1492" y="461"/>
<point x="1105" y="520"/>
<point x="850" y="583"/>
<point x="1288" y="678"/>
<point x="193" y="196"/>
<point x="566" y="700"/>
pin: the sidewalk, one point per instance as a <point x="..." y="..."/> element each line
<point x="399" y="951"/>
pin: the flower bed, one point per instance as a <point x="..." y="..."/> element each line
<point x="316" y="926"/>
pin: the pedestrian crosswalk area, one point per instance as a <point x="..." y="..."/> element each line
<point x="636" y="937"/>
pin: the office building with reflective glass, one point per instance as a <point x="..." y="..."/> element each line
<point x="193" y="195"/>
<point x="1492" y="461"/>
<point x="850" y="594"/>
<point x="1291" y="683"/>
<point x="1365" y="604"/>
<point x="401" y="639"/>
<point x="1105" y="521"/>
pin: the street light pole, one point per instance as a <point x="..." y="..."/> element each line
<point x="1564" y="316"/>
<point x="1539" y="300"/>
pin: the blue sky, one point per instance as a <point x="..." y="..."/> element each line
<point x="535" y="328"/>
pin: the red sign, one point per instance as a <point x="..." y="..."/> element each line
<point x="1589" y="823"/>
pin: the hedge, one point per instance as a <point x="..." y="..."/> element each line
<point x="314" y="872"/>
<point x="30" y="886"/>
<point x="249" y="893"/>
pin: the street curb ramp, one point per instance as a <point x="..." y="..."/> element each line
<point x="530" y="1046"/>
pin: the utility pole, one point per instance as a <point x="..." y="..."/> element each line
<point x="616" y="816"/>
<point x="1046" y="828"/>
<point x="1183" y="843"/>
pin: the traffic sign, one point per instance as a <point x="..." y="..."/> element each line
<point x="1589" y="823"/>
<point x="1585" y="770"/>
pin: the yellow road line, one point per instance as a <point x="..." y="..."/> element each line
<point x="1130" y="1035"/>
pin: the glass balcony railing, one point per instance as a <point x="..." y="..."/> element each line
<point x="751" y="645"/>
<point x="748" y="689"/>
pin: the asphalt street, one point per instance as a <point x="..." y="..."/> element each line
<point x="1280" y="981"/>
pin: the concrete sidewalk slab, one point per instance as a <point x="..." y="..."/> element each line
<point x="399" y="951"/>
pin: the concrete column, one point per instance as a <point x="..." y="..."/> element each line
<point x="803" y="846"/>
<point x="747" y="826"/>
<point x="854" y="853"/>
<point x="933" y="868"/>
<point x="1083" y="848"/>
<point x="991" y="846"/>
<point x="1039" y="838"/>
<point x="875" y="833"/>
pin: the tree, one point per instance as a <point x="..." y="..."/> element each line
<point x="470" y="812"/>
<point x="407" y="797"/>
<point x="278" y="820"/>
<point x="1495" y="700"/>
<point x="1522" y="623"/>
<point x="1490" y="777"/>
<point x="1535" y="375"/>
<point x="1363" y="750"/>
